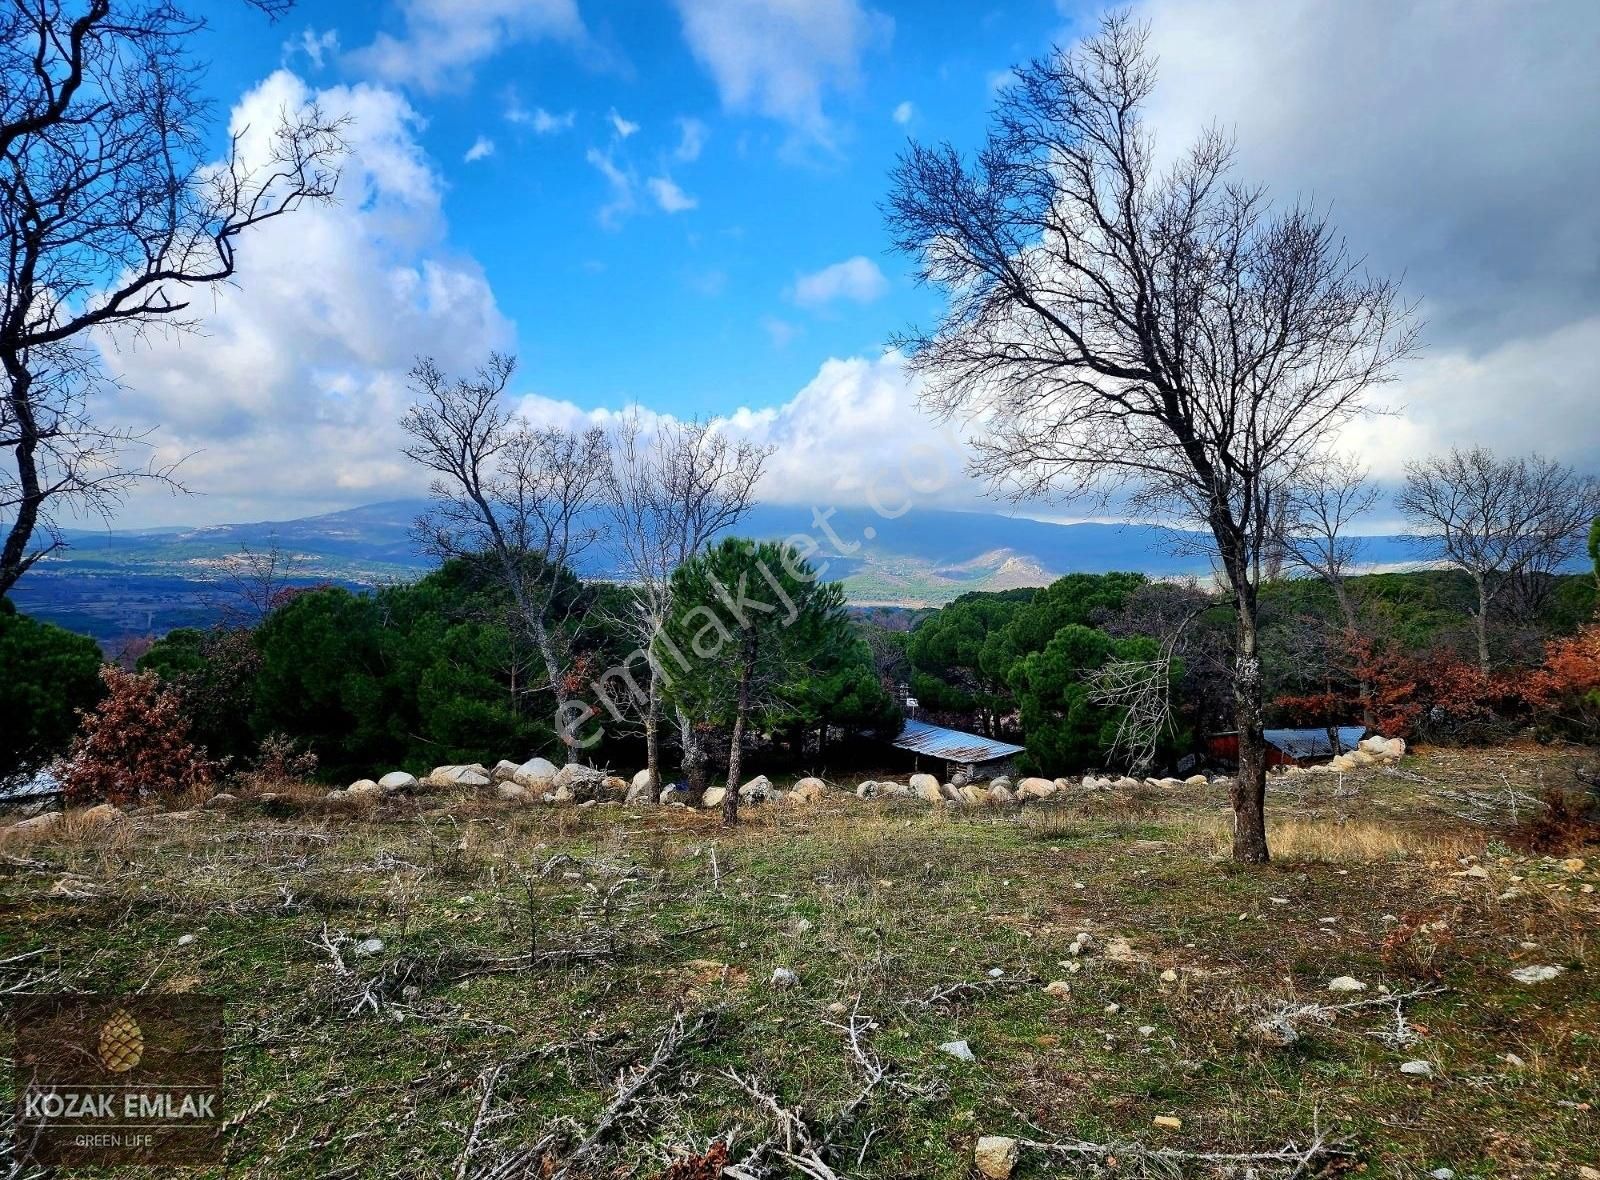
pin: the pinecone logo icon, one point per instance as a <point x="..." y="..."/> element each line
<point x="121" y="1042"/>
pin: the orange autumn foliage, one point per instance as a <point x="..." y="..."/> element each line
<point x="134" y="745"/>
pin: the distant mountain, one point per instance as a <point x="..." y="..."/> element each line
<point x="110" y="584"/>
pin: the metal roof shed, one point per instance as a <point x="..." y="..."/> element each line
<point x="968" y="750"/>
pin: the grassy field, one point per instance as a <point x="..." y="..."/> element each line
<point x="536" y="963"/>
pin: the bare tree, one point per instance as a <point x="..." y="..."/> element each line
<point x="259" y="582"/>
<point x="1321" y="509"/>
<point x="1500" y="522"/>
<point x="672" y="487"/>
<point x="522" y="496"/>
<point x="1112" y="327"/>
<point x="111" y="218"/>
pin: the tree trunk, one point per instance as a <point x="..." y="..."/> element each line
<point x="1481" y="623"/>
<point x="730" y="801"/>
<point x="13" y="556"/>
<point x="652" y="735"/>
<point x="1249" y="793"/>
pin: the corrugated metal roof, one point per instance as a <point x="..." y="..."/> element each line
<point x="1314" y="743"/>
<point x="952" y="744"/>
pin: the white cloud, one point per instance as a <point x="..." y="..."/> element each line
<point x="779" y="58"/>
<point x="669" y="196"/>
<point x="482" y="148"/>
<point x="904" y="113"/>
<point x="857" y="279"/>
<point x="852" y="437"/>
<point x="290" y="397"/>
<point x="445" y="39"/>
<point x="692" y="135"/>
<point x="622" y="200"/>
<point x="318" y="47"/>
<point x="540" y="120"/>
<point x="623" y="127"/>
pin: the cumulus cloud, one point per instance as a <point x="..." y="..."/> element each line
<point x="780" y="58"/>
<point x="1459" y="148"/>
<point x="445" y="39"/>
<point x="857" y="279"/>
<point x="291" y="394"/>
<point x="482" y="148"/>
<point x="851" y="437"/>
<point x="669" y="196"/>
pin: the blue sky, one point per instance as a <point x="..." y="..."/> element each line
<point x="695" y="310"/>
<point x="676" y="203"/>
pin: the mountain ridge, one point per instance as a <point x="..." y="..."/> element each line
<point x="133" y="581"/>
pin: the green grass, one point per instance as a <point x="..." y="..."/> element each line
<point x="901" y="901"/>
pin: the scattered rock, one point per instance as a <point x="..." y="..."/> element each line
<point x="1585" y="1172"/>
<point x="867" y="790"/>
<point x="512" y="792"/>
<point x="1167" y="1122"/>
<point x="1001" y="797"/>
<point x="369" y="946"/>
<point x="471" y="774"/>
<point x="1146" y="1030"/>
<point x="1477" y="872"/>
<point x="1169" y="976"/>
<point x="223" y="800"/>
<point x="364" y="786"/>
<point x="1035" y="788"/>
<point x="1536" y="974"/>
<point x="713" y="796"/>
<point x="1346" y="983"/>
<point x="972" y="796"/>
<point x="397" y="781"/>
<point x="504" y="771"/>
<point x="784" y="978"/>
<point x="952" y="794"/>
<point x="995" y="1156"/>
<point x="1417" y="1069"/>
<point x="1196" y="780"/>
<point x="1573" y="865"/>
<point x="926" y="787"/>
<point x="960" y="1050"/>
<point x="1058" y="988"/>
<point x="757" y="790"/>
<point x="1112" y="1009"/>
<point x="1000" y="781"/>
<point x="1442" y="1174"/>
<point x="583" y="782"/>
<point x="185" y="939"/>
<point x="537" y="774"/>
<point x="808" y="790"/>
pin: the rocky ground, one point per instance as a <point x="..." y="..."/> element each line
<point x="444" y="979"/>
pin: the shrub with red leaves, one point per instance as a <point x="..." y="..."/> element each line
<point x="134" y="745"/>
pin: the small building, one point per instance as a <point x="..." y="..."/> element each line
<point x="1291" y="747"/>
<point x="975" y="756"/>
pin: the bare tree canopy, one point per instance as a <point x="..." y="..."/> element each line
<point x="1322" y="507"/>
<point x="521" y="495"/>
<point x="1114" y="326"/>
<point x="1503" y="522"/>
<point x="672" y="486"/>
<point x="111" y="217"/>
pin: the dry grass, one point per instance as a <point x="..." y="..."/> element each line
<point x="1345" y="841"/>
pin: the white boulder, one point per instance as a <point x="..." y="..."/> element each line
<point x="397" y="781"/>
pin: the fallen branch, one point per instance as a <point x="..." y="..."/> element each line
<point x="630" y="1089"/>
<point x="1295" y="1158"/>
<point x="1283" y="1025"/>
